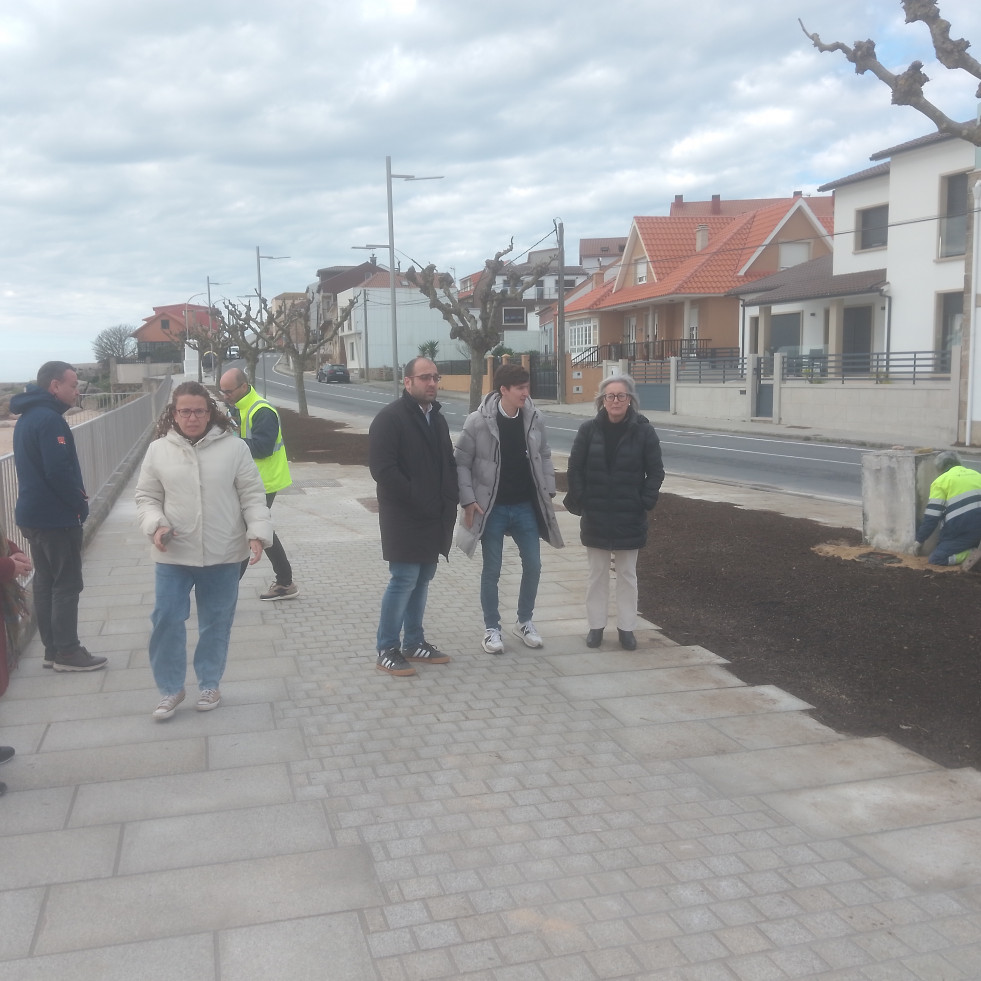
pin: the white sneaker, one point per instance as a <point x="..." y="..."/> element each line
<point x="168" y="706"/>
<point x="527" y="632"/>
<point x="492" y="642"/>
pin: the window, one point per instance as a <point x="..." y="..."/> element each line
<point x="951" y="320"/>
<point x="640" y="272"/>
<point x="164" y="324"/>
<point x="794" y="253"/>
<point x="785" y="333"/>
<point x="953" y="215"/>
<point x="514" y="316"/>
<point x="630" y="330"/>
<point x="872" y="228"/>
<point x="583" y="334"/>
<point x="540" y="290"/>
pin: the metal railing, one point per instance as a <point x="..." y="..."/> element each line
<point x="881" y="367"/>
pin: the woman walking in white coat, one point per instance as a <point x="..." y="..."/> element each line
<point x="200" y="500"/>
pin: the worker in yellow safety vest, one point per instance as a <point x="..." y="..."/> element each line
<point x="955" y="508"/>
<point x="259" y="425"/>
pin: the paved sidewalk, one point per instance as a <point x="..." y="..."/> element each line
<point x="555" y="815"/>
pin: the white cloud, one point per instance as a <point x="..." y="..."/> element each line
<point x="146" y="147"/>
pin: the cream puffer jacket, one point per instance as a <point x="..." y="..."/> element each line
<point x="209" y="492"/>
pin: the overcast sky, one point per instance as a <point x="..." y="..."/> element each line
<point x="148" y="146"/>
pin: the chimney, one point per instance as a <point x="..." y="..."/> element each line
<point x="679" y="199"/>
<point x="373" y="259"/>
<point x="798" y="194"/>
<point x="716" y="204"/>
<point x="701" y="237"/>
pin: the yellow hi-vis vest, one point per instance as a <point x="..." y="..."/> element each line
<point x="273" y="469"/>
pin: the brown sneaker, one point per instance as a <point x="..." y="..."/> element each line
<point x="210" y="698"/>
<point x="279" y="592"/>
<point x="77" y="659"/>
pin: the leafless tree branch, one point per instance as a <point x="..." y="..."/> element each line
<point x="907" y="87"/>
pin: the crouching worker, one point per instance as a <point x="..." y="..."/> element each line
<point x="954" y="507"/>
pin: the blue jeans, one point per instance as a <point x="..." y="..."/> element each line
<point x="521" y="523"/>
<point x="215" y="594"/>
<point x="404" y="604"/>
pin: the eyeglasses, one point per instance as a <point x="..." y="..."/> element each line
<point x="426" y="378"/>
<point x="616" y="397"/>
<point x="192" y="413"/>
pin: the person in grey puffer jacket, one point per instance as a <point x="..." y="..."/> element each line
<point x="507" y="482"/>
<point x="615" y="474"/>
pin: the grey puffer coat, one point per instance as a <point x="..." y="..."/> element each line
<point x="478" y="470"/>
<point x="613" y="503"/>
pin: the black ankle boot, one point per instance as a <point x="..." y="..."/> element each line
<point x="627" y="639"/>
<point x="594" y="638"/>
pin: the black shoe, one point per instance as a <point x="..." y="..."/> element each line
<point x="391" y="660"/>
<point x="627" y="639"/>
<point x="6" y="753"/>
<point x="77" y="659"/>
<point x="594" y="638"/>
<point x="425" y="652"/>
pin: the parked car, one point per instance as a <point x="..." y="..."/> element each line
<point x="333" y="373"/>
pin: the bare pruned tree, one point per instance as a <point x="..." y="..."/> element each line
<point x="114" y="342"/>
<point x="907" y="87"/>
<point x="295" y="333"/>
<point x="245" y="331"/>
<point x="477" y="322"/>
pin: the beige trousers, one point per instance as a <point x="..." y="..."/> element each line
<point x="598" y="587"/>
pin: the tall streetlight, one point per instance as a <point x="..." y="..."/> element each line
<point x="211" y="323"/>
<point x="390" y="245"/>
<point x="186" y="304"/>
<point x="258" y="276"/>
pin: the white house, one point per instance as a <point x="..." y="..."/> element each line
<point x="367" y="334"/>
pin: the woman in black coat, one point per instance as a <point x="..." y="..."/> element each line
<point x="615" y="473"/>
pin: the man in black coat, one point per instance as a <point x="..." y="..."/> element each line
<point x="411" y="460"/>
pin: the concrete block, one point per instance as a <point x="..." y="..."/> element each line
<point x="895" y="489"/>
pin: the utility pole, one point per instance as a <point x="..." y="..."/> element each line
<point x="364" y="336"/>
<point x="560" y="387"/>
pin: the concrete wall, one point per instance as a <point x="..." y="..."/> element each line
<point x="729" y="401"/>
<point x="926" y="409"/>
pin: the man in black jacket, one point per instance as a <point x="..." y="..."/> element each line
<point x="411" y="460"/>
<point x="51" y="508"/>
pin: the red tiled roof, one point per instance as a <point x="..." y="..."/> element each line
<point x="821" y="205"/>
<point x="676" y="269"/>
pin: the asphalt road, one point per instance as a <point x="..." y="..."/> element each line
<point x="821" y="470"/>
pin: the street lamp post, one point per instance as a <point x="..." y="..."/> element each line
<point x="186" y="304"/>
<point x="390" y="245"/>
<point x="258" y="276"/>
<point x="211" y="324"/>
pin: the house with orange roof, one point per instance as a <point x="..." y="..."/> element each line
<point x="161" y="336"/>
<point x="670" y="295"/>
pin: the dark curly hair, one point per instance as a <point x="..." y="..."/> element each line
<point x="166" y="422"/>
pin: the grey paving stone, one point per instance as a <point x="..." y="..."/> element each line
<point x="187" y="958"/>
<point x="316" y="947"/>
<point x="57" y="856"/>
<point x="688" y="706"/>
<point x="223" y="836"/>
<point x="815" y="764"/>
<point x="69" y="767"/>
<point x="194" y="792"/>
<point x="214" y="897"/>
